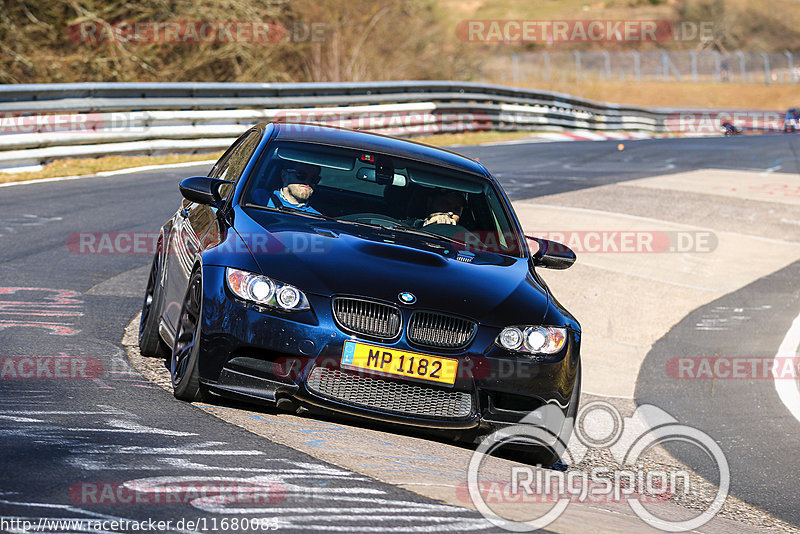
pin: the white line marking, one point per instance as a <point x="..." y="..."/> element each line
<point x="372" y="502"/>
<point x="787" y="389"/>
<point x="17" y="419"/>
<point x="66" y="507"/>
<point x="112" y="411"/>
<point x="101" y="384"/>
<point x="320" y="472"/>
<point x="117" y="449"/>
<point x="130" y="427"/>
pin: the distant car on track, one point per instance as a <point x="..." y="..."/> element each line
<point x="791" y="123"/>
<point x="342" y="271"/>
<point x="731" y="129"/>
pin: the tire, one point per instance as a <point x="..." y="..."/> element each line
<point x="185" y="352"/>
<point x="575" y="398"/>
<point x="545" y="455"/>
<point x="150" y="343"/>
<point x="527" y="453"/>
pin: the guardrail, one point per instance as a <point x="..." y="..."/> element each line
<point x="43" y="122"/>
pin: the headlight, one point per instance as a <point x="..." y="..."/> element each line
<point x="533" y="339"/>
<point x="510" y="338"/>
<point x="265" y="291"/>
<point x="289" y="297"/>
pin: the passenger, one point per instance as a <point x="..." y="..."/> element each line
<point x="298" y="181"/>
<point x="445" y="208"/>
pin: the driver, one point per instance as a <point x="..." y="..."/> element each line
<point x="299" y="180"/>
<point x="445" y="208"/>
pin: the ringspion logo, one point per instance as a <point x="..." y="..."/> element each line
<point x="630" y="479"/>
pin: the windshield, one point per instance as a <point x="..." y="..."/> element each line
<point x="377" y="190"/>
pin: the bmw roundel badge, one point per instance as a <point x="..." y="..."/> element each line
<point x="407" y="298"/>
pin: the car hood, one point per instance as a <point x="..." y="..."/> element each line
<point x="332" y="258"/>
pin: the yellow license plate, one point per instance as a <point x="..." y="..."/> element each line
<point x="399" y="362"/>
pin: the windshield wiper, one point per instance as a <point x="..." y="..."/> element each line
<point x="394" y="228"/>
<point x="423" y="233"/>
<point x="287" y="209"/>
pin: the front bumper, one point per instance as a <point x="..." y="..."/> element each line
<point x="265" y="355"/>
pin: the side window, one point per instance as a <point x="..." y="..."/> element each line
<point x="235" y="162"/>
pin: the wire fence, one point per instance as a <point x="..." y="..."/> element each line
<point x="658" y="65"/>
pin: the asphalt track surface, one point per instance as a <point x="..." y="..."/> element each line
<point x="534" y="170"/>
<point x="69" y="443"/>
<point x="755" y="430"/>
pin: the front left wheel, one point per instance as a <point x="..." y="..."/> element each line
<point x="150" y="343"/>
<point x="185" y="352"/>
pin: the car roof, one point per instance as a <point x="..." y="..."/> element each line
<point x="372" y="142"/>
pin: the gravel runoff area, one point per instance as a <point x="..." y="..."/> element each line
<point x="156" y="370"/>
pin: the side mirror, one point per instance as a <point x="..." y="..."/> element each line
<point x="202" y="189"/>
<point x="552" y="255"/>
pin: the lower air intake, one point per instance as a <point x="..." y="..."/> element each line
<point x="387" y="396"/>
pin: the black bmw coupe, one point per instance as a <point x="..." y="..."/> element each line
<point x="326" y="269"/>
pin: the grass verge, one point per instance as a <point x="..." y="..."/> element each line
<point x="89" y="166"/>
<point x="726" y="96"/>
<point x="469" y="138"/>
